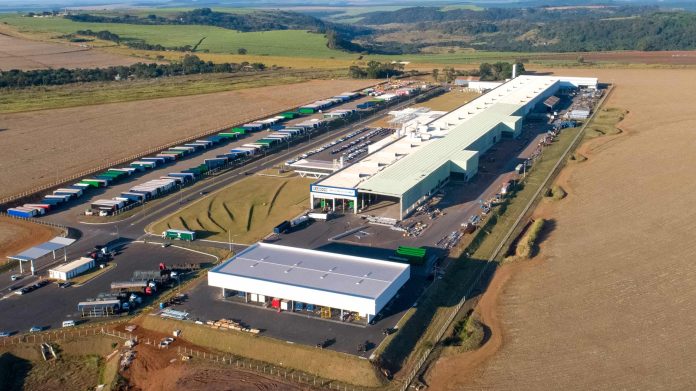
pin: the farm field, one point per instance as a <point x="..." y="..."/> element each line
<point x="87" y="94"/>
<point x="18" y="53"/>
<point x="608" y="303"/>
<point x="82" y="137"/>
<point x="249" y="209"/>
<point x="217" y="40"/>
<point x="18" y="235"/>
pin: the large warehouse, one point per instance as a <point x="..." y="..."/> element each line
<point x="268" y="274"/>
<point x="425" y="156"/>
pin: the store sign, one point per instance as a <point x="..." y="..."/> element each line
<point x="339" y="191"/>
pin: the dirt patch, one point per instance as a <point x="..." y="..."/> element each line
<point x="611" y="307"/>
<point x="162" y="369"/>
<point x="18" y="235"/>
<point x="76" y="139"/>
<point x="24" y="54"/>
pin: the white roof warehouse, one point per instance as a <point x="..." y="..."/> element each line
<point x="423" y="157"/>
<point x="345" y="282"/>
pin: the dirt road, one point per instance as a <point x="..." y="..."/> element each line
<point x="38" y="147"/>
<point x="610" y="304"/>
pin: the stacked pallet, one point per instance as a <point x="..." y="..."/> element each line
<point x="224" y="324"/>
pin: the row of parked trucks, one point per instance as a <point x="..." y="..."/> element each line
<point x="154" y="188"/>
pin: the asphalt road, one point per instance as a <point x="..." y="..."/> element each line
<point x="50" y="305"/>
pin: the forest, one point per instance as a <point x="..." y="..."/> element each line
<point x="190" y="64"/>
<point x="536" y="29"/>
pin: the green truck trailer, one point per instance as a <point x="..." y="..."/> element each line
<point x="414" y="255"/>
<point x="179" y="234"/>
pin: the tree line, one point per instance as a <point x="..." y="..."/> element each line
<point x="190" y="64"/>
<point x="376" y="70"/>
<point x="485" y="72"/>
<point x="107" y="35"/>
<point x="539" y="29"/>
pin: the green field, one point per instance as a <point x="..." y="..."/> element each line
<point x="217" y="40"/>
<point x="276" y="44"/>
<point x="249" y="209"/>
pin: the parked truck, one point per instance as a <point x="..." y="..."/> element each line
<point x="179" y="234"/>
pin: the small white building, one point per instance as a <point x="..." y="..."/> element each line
<point x="270" y="274"/>
<point x="72" y="269"/>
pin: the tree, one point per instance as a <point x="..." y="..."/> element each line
<point x="241" y="51"/>
<point x="436" y="73"/>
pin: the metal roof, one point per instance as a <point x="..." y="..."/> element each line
<point x="42" y="249"/>
<point x="399" y="166"/>
<point x="70" y="266"/>
<point x="318" y="270"/>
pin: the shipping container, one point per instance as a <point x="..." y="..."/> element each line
<point x="244" y="150"/>
<point x="195" y="146"/>
<point x="253" y="127"/>
<point x="277" y="127"/>
<point x="134" y="197"/>
<point x="19" y="213"/>
<point x="229" y="135"/>
<point x="187" y="177"/>
<point x="63" y="198"/>
<point x="290" y="115"/>
<point x="51" y="201"/>
<point x="156" y="160"/>
<point x="45" y="207"/>
<point x="238" y="130"/>
<point x="167" y="156"/>
<point x="307" y="110"/>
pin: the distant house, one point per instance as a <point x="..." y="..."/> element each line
<point x="463" y="81"/>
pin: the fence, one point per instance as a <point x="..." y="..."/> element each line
<point x="419" y="364"/>
<point x="267" y="369"/>
<point x="130" y="158"/>
<point x="39" y="221"/>
<point x="515" y="226"/>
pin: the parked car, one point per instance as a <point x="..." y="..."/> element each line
<point x="66" y="284"/>
<point x="4" y="334"/>
<point x="35" y="329"/>
<point x="15" y="277"/>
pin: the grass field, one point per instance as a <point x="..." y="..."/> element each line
<point x="219" y="40"/>
<point x="450" y="100"/>
<point x="324" y="363"/>
<point x="604" y="123"/>
<point x="248" y="209"/>
<point x="56" y="97"/>
<point x="419" y="332"/>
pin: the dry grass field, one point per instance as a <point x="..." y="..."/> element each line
<point x="249" y="209"/>
<point x="18" y="235"/>
<point x="24" y="54"/>
<point x="608" y="303"/>
<point x="39" y="147"/>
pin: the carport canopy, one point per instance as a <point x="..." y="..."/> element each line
<point x="42" y="249"/>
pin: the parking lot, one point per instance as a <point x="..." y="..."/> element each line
<point x="205" y="303"/>
<point x="351" y="146"/>
<point x="49" y="306"/>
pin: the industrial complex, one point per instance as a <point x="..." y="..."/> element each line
<point x="395" y="187"/>
<point x="425" y="153"/>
